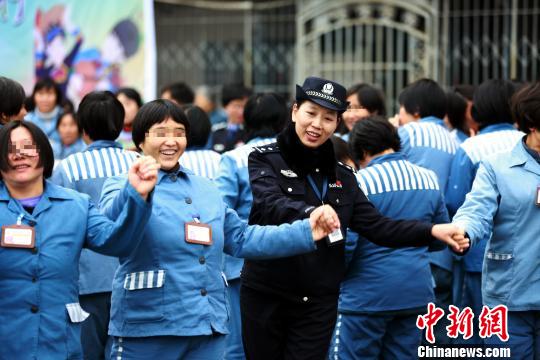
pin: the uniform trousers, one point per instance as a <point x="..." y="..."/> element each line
<point x="375" y="336"/>
<point x="235" y="349"/>
<point x="205" y="347"/>
<point x="275" y="327"/>
<point x="96" y="343"/>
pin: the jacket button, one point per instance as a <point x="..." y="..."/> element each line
<point x="188" y="200"/>
<point x="34" y="309"/>
<point x="173" y="177"/>
<point x="337" y="201"/>
<point x="202" y="260"/>
<point x="204" y="292"/>
<point x="317" y="170"/>
<point x="289" y="189"/>
<point x="34" y="279"/>
<point x="263" y="172"/>
<point x="34" y="250"/>
<point x="31" y="223"/>
<point x="305" y="298"/>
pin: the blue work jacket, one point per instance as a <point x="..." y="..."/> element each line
<point x="86" y="172"/>
<point x="40" y="315"/>
<point x="232" y="181"/>
<point x="169" y="287"/>
<point x="400" y="190"/>
<point x="429" y="144"/>
<point x="48" y="126"/>
<point x="502" y="203"/>
<point x="491" y="140"/>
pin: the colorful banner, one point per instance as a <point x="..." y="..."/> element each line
<point x="84" y="45"/>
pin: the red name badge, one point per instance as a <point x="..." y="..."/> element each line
<point x="537" y="196"/>
<point x="18" y="236"/>
<point x="198" y="233"/>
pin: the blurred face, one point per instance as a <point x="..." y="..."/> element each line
<point x="165" y="142"/>
<point x="313" y="123"/>
<point x="354" y="113"/>
<point x="130" y="108"/>
<point x="20" y="116"/>
<point x="235" y="111"/>
<point x="68" y="129"/>
<point x="23" y="159"/>
<point x="166" y="95"/>
<point x="45" y="100"/>
<point x="405" y="117"/>
<point x="204" y="103"/>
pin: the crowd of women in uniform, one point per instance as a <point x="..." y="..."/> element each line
<point x="125" y="224"/>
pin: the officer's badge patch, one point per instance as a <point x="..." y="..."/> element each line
<point x="328" y="89"/>
<point x="289" y="173"/>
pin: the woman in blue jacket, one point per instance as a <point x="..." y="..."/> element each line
<point x="505" y="202"/>
<point x="169" y="296"/>
<point x="44" y="228"/>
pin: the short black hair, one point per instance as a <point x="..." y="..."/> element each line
<point x="456" y="110"/>
<point x="155" y="112"/>
<point x="526" y="107"/>
<point x="46" y="157"/>
<point x="180" y="92"/>
<point x="341" y="149"/>
<point x="12" y="97"/>
<point x="48" y="83"/>
<point x="265" y="115"/>
<point x="371" y="136"/>
<point x="232" y="92"/>
<point x="66" y="113"/>
<point x="465" y="90"/>
<point x="130" y="93"/>
<point x="101" y="115"/>
<point x="424" y="97"/>
<point x="199" y="126"/>
<point x="369" y="97"/>
<point x="491" y="102"/>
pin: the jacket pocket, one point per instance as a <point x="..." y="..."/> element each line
<point x="75" y="316"/>
<point x="144" y="296"/>
<point x="498" y="274"/>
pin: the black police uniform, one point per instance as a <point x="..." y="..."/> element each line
<point x="225" y="139"/>
<point x="289" y="305"/>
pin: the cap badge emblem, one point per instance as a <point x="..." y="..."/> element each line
<point x="328" y="89"/>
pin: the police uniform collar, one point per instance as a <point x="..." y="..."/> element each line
<point x="303" y="160"/>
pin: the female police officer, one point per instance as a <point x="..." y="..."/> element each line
<point x="289" y="305"/>
<point x="169" y="296"/>
<point x="40" y="316"/>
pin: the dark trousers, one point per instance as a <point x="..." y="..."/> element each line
<point x="278" y="328"/>
<point x="96" y="342"/>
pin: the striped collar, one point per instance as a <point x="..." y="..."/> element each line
<point x="432" y="119"/>
<point x="497" y="127"/>
<point x="100" y="144"/>
<point x="395" y="156"/>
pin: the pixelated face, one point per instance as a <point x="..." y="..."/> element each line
<point x="68" y="129"/>
<point x="165" y="142"/>
<point x="23" y="159"/>
<point x="235" y="111"/>
<point x="314" y="124"/>
<point x="45" y="99"/>
<point x="355" y="112"/>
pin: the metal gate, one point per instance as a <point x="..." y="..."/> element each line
<point x="387" y="43"/>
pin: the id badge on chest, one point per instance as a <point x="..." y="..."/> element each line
<point x="198" y="233"/>
<point x="18" y="236"/>
<point x="537" y="201"/>
<point x="334" y="237"/>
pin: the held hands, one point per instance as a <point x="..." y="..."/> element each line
<point x="143" y="175"/>
<point x="323" y="220"/>
<point x="451" y="235"/>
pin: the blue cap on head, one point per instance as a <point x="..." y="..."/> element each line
<point x="326" y="93"/>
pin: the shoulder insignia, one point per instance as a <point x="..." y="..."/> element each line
<point x="289" y="173"/>
<point x="345" y="166"/>
<point x="272" y="148"/>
